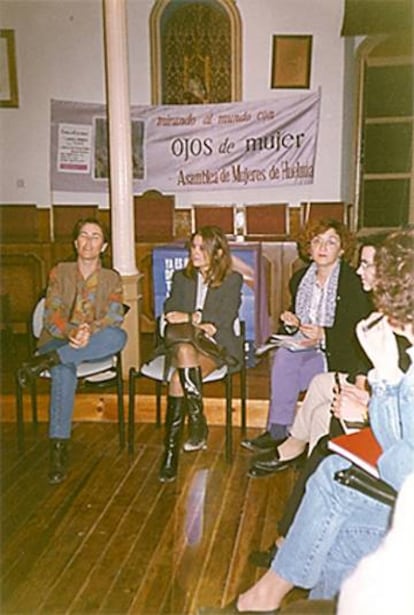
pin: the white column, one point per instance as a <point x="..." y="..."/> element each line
<point x="122" y="216"/>
<point x="121" y="197"/>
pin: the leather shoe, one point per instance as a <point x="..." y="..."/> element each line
<point x="231" y="609"/>
<point x="264" y="442"/>
<point x="39" y="363"/>
<point x="270" y="464"/>
<point x="263" y="559"/>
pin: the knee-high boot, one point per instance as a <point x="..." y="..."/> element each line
<point x="173" y="428"/>
<point x="191" y="381"/>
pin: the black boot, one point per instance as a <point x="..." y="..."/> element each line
<point x="36" y="366"/>
<point x="173" y="427"/>
<point x="191" y="381"/>
<point x="58" y="457"/>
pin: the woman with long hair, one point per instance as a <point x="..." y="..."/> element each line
<point x="206" y="293"/>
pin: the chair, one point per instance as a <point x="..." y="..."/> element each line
<point x="265" y="221"/>
<point x="214" y="215"/>
<point x="154" y="370"/>
<point x="154" y="217"/>
<point x="317" y="210"/>
<point x="91" y="373"/>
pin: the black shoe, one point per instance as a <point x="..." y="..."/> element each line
<point x="38" y="364"/>
<point x="263" y="559"/>
<point x="263" y="442"/>
<point x="58" y="458"/>
<point x="270" y="464"/>
<point x="197" y="434"/>
<point x="231" y="609"/>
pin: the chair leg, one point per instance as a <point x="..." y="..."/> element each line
<point x="121" y="410"/>
<point x="33" y="398"/>
<point x="243" y="397"/>
<point x="229" y="418"/>
<point x="19" y="416"/>
<point x="131" y="410"/>
<point x="158" y="395"/>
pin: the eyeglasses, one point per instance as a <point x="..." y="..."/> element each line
<point x="365" y="265"/>
<point x="331" y="242"/>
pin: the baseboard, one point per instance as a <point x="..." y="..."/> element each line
<point x="103" y="407"/>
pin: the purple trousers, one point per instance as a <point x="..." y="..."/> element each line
<point x="291" y="373"/>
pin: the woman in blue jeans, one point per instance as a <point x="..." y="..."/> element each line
<point x="336" y="526"/>
<point x="82" y="322"/>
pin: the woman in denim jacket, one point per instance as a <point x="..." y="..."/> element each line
<point x="336" y="526"/>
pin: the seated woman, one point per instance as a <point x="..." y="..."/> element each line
<point x="335" y="525"/>
<point x="328" y="301"/>
<point x="83" y="316"/>
<point x="206" y="293"/>
<point x="312" y="421"/>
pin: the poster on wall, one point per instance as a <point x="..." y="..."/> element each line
<point x="190" y="147"/>
<point x="247" y="260"/>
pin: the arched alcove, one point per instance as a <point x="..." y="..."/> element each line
<point x="195" y="51"/>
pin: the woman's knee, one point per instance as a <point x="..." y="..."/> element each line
<point x="185" y="355"/>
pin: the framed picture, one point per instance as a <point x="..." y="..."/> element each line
<point x="8" y="75"/>
<point x="291" y="63"/>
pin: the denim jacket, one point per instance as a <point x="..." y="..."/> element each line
<point x="392" y="420"/>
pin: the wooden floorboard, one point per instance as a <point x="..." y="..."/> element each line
<point x="112" y="539"/>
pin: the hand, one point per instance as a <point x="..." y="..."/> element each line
<point x="313" y="332"/>
<point x="176" y="317"/>
<point x="80" y="337"/>
<point x="208" y="328"/>
<point x="378" y="341"/>
<point x="290" y="319"/>
<point x="351" y="404"/>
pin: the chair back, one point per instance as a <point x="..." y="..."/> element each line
<point x="37" y="317"/>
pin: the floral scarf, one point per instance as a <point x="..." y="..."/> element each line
<point x="325" y="316"/>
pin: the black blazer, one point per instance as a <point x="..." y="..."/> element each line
<point x="343" y="351"/>
<point x="221" y="306"/>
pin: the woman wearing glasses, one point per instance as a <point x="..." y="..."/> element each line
<point x="327" y="302"/>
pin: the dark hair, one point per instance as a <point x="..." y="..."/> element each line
<point x="312" y="229"/>
<point x="394" y="284"/>
<point x="217" y="248"/>
<point x="81" y="223"/>
<point x="373" y="241"/>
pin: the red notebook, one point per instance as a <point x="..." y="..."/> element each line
<point x="362" y="448"/>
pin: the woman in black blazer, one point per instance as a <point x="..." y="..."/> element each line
<point x="327" y="302"/>
<point x="208" y="294"/>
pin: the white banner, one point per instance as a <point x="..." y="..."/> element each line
<point x="190" y="147"/>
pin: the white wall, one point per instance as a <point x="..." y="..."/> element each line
<point x="60" y="54"/>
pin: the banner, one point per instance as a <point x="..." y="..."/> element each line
<point x="190" y="147"/>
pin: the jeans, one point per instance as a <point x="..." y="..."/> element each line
<point x="102" y="345"/>
<point x="291" y="374"/>
<point x="334" y="528"/>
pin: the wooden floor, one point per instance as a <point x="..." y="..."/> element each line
<point x="112" y="539"/>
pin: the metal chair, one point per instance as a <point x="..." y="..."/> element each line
<point x="155" y="370"/>
<point x="97" y="374"/>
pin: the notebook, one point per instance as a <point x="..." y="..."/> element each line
<point x="362" y="448"/>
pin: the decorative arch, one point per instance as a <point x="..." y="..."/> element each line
<point x="195" y="51"/>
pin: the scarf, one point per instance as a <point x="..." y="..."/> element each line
<point x="325" y="315"/>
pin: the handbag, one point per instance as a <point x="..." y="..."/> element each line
<point x="361" y="481"/>
<point x="186" y="332"/>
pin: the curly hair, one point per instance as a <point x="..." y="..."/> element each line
<point x="312" y="229"/>
<point x="217" y="248"/>
<point x="394" y="286"/>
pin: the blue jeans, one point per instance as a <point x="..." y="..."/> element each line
<point x="333" y="529"/>
<point x="102" y="345"/>
<point x="291" y="373"/>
